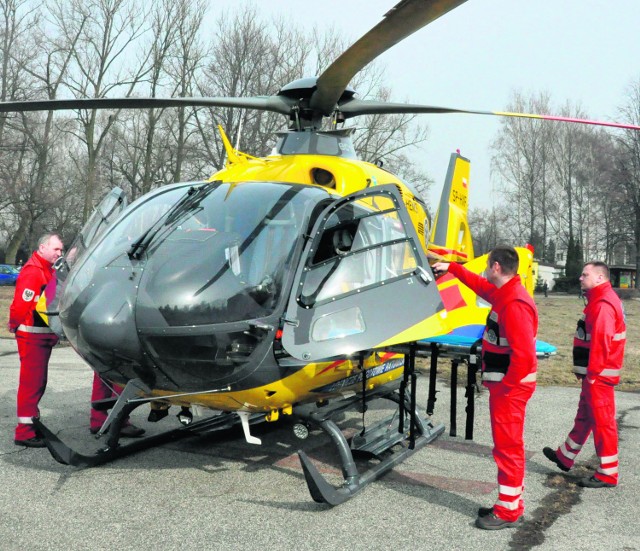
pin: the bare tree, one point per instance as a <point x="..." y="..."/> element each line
<point x="186" y="61"/>
<point x="522" y="160"/>
<point x="109" y="31"/>
<point x="250" y="57"/>
<point x="140" y="142"/>
<point x="628" y="166"/>
<point x="488" y="228"/>
<point x="32" y="65"/>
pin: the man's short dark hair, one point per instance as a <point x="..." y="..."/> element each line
<point x="507" y="257"/>
<point x="600" y="266"/>
<point x="45" y="238"/>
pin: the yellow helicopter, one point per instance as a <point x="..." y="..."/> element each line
<point x="282" y="285"/>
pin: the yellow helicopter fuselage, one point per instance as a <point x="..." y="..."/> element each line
<point x="316" y="380"/>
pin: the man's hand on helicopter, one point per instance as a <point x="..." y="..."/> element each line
<point x="440" y="268"/>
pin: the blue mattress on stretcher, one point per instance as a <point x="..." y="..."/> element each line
<point x="542" y="348"/>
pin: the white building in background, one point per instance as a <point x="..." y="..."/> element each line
<point x="548" y="273"/>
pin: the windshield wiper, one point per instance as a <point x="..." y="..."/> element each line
<point x="189" y="201"/>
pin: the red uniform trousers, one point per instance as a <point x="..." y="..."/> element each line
<point x="597" y="414"/>
<point x="34" y="350"/>
<point x="102" y="391"/>
<point x="507" y="407"/>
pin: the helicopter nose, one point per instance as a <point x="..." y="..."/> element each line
<point x="107" y="324"/>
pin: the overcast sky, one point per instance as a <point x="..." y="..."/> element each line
<point x="583" y="51"/>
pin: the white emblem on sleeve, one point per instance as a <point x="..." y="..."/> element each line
<point x="28" y="294"/>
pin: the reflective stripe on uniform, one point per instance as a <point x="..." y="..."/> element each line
<point x="25" y="420"/>
<point x="568" y="454"/>
<point x="614" y="372"/>
<point x="495" y="376"/>
<point x="610" y="470"/>
<point x="574" y="445"/>
<point x="511" y="505"/>
<point x="582" y="370"/>
<point x="609" y="459"/>
<point x="617" y="337"/>
<point x="510" y="490"/>
<point x="32" y="329"/>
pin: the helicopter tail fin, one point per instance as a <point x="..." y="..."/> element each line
<point x="450" y="239"/>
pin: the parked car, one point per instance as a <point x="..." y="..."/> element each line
<point x="8" y="275"/>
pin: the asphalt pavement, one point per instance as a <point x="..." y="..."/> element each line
<point x="218" y="492"/>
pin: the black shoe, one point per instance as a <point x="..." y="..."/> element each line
<point x="492" y="522"/>
<point x="593" y="482"/>
<point x="552" y="456"/>
<point x="131" y="431"/>
<point x="35" y="442"/>
<point x="94" y="430"/>
<point x="484" y="511"/>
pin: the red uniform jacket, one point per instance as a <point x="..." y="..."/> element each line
<point x="598" y="346"/>
<point x="516" y="317"/>
<point x="33" y="278"/>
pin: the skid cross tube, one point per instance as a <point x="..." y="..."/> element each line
<point x="320" y="489"/>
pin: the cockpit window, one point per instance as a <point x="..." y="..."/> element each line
<point x="117" y="239"/>
<point x="364" y="244"/>
<point x="315" y="143"/>
<point x="226" y="258"/>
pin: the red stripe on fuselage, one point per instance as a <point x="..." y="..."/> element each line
<point x="443" y="252"/>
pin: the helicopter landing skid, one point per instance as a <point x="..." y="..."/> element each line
<point x="376" y="440"/>
<point x="113" y="450"/>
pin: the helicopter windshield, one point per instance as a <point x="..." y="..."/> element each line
<point x="315" y="143"/>
<point x="226" y="257"/>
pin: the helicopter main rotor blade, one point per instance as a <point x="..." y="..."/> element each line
<point x="401" y="21"/>
<point x="356" y="107"/>
<point x="278" y="104"/>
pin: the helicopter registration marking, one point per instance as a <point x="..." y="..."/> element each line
<point x="357" y="378"/>
<point x="459" y="198"/>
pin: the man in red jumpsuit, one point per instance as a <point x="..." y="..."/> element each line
<point x="509" y="372"/>
<point x="598" y="352"/>
<point x="35" y="339"/>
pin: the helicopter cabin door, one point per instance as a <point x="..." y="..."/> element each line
<point x="364" y="281"/>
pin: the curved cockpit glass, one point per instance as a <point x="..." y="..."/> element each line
<point x="225" y="258"/>
<point x="213" y="252"/>
<point x="140" y="217"/>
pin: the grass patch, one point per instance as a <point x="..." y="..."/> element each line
<point x="558" y="317"/>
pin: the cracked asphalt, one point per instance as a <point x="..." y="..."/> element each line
<point x="218" y="492"/>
